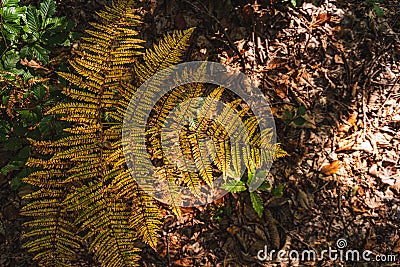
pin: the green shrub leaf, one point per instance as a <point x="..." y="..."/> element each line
<point x="33" y="21"/>
<point x="47" y="9"/>
<point x="13" y="144"/>
<point x="301" y="111"/>
<point x="234" y="186"/>
<point x="278" y="191"/>
<point x="299" y="121"/>
<point x="257" y="202"/>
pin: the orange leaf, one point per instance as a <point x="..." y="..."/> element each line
<point x="323" y="17"/>
<point x="332" y="168"/>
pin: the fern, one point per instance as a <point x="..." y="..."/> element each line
<point x="86" y="197"/>
<point x="82" y="184"/>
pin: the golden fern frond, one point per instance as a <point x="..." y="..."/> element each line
<point x="280" y="152"/>
<point x="169" y="177"/>
<point x="87" y="110"/>
<point x="93" y="128"/>
<point x="75" y="140"/>
<point x="46" y="179"/>
<point x="145" y="218"/>
<point x="184" y="163"/>
<point x="123" y="182"/>
<point x="236" y="160"/>
<point x="202" y="157"/>
<point x="80" y="162"/>
<point x="168" y="52"/>
<point x="209" y="108"/>
<point x="222" y="155"/>
<point x="81" y="95"/>
<point x="107" y="222"/>
<point x="47" y="164"/>
<point x="53" y="237"/>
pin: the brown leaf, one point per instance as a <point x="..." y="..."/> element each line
<point x="233" y="229"/>
<point x="323" y="17"/>
<point x="353" y="119"/>
<point x="33" y="64"/>
<point x="183" y="263"/>
<point x="332" y="168"/>
<point x="338" y="59"/>
<point x="396" y="248"/>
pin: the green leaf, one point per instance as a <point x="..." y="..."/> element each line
<point x="278" y="191"/>
<point x="75" y="36"/>
<point x="10" y="15"/>
<point x="11" y="32"/>
<point x="4" y="126"/>
<point x="9" y="168"/>
<point x="251" y="172"/>
<point x="16" y="183"/>
<point x="33" y="21"/>
<point x="9" y="3"/>
<point x="19" y="130"/>
<point x="3" y="137"/>
<point x="257" y="203"/>
<point x="11" y="59"/>
<point x="28" y="117"/>
<point x="45" y="125"/>
<point x="47" y="8"/>
<point x="299" y="121"/>
<point x="234" y="186"/>
<point x="54" y="24"/>
<point x="51" y="39"/>
<point x="13" y="144"/>
<point x="25" y="114"/>
<point x="264" y="186"/>
<point x="288" y="114"/>
<point x="23" y="173"/>
<point x="3" y="132"/>
<point x="39" y="92"/>
<point x="40" y="53"/>
<point x="378" y="10"/>
<point x="301" y="111"/>
<point x="5" y="99"/>
<point x="24" y="153"/>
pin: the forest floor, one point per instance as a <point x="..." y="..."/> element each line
<point x="341" y="181"/>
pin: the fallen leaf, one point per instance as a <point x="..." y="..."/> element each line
<point x="183" y="263"/>
<point x="338" y="59"/>
<point x="303" y="200"/>
<point x="332" y="168"/>
<point x="366" y="146"/>
<point x="233" y="229"/>
<point x="323" y="17"/>
<point x="396" y="248"/>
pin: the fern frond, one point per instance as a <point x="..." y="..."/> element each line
<point x="107" y="220"/>
<point x="85" y="176"/>
<point x="145" y="218"/>
<point x="53" y="238"/>
<point x="168" y="52"/>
